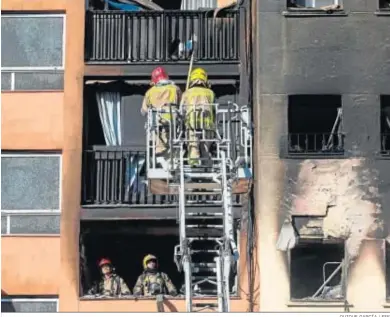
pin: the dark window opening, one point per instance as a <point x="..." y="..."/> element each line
<point x="323" y="5"/>
<point x="385" y="125"/>
<point x="387" y="263"/>
<point x="126" y="243"/>
<point x="315" y="124"/>
<point x="169" y="5"/>
<point x="384" y="4"/>
<point x="311" y="265"/>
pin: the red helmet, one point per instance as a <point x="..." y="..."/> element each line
<point x="158" y="74"/>
<point x="104" y="261"/>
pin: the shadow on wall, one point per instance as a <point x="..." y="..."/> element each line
<point x="6" y="306"/>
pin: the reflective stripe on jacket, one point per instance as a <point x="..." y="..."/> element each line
<point x="159" y="96"/>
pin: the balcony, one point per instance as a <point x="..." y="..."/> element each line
<point x="114" y="182"/>
<point x="115" y="37"/>
<point x="316" y="144"/>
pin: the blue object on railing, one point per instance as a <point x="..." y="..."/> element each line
<point x="124" y="6"/>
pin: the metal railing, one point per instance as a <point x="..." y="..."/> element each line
<point x="385" y="144"/>
<point x="161" y="36"/>
<point x="116" y="176"/>
<point x="316" y="143"/>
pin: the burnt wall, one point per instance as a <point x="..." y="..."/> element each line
<point x="346" y="54"/>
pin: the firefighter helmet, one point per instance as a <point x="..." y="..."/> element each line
<point x="198" y="74"/>
<point x="148" y="258"/>
<point x="104" y="261"/>
<point x="158" y="74"/>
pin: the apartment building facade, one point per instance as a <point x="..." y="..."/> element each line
<point x="322" y="198"/>
<point x="66" y="203"/>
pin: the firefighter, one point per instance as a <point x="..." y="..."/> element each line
<point x="163" y="93"/>
<point x="110" y="284"/>
<point x="198" y="100"/>
<point x="153" y="282"/>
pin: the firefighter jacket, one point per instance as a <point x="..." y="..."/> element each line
<point x="113" y="285"/>
<point x="154" y="283"/>
<point x="159" y="96"/>
<point x="200" y="111"/>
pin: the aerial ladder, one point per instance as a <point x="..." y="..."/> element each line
<point x="207" y="251"/>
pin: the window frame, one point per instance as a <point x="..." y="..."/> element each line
<point x="12" y="70"/>
<point x="343" y="280"/>
<point x="33" y="212"/>
<point x="10" y="299"/>
<point x="335" y="2"/>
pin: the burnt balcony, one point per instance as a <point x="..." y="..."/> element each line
<point x="327" y="144"/>
<point x="114" y="182"/>
<point x="115" y="37"/>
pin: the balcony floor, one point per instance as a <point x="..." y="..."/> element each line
<point x="174" y="69"/>
<point x="106" y="212"/>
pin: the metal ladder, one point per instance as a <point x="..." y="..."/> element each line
<point x="207" y="243"/>
<point x="207" y="248"/>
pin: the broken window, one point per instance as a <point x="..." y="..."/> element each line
<point x="126" y="243"/>
<point x="384" y="4"/>
<point x="315" y="4"/>
<point x="316" y="272"/>
<point x="315" y="124"/>
<point x="385" y="125"/>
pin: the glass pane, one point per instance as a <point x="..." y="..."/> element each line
<point x="3" y="225"/>
<point x="39" y="81"/>
<point x="30" y="183"/>
<point x="28" y="307"/>
<point x="35" y="224"/>
<point x="5" y="81"/>
<point x="31" y="41"/>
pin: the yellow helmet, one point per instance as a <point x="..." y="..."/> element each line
<point x="198" y="74"/>
<point x="148" y="258"/>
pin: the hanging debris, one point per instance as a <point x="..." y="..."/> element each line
<point x="344" y="193"/>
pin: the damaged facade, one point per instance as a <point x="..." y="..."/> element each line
<point x="322" y="197"/>
<point x="312" y="235"/>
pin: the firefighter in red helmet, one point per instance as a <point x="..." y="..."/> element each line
<point x="110" y="283"/>
<point x="163" y="93"/>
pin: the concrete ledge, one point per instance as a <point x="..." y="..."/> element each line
<point x="314" y="13"/>
<point x="316" y="303"/>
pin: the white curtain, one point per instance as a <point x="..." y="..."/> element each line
<point x="109" y="104"/>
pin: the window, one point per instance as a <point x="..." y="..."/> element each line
<point x="29" y="304"/>
<point x="385" y="125"/>
<point x="384" y="4"/>
<point x="314" y="4"/>
<point x="127" y="242"/>
<point x="33" y="58"/>
<point x="313" y="264"/>
<point x="315" y="125"/>
<point x="30" y="192"/>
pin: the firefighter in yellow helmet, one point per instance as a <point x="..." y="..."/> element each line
<point x="199" y="100"/>
<point x="162" y="93"/>
<point x="153" y="282"/>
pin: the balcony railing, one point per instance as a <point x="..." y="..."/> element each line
<point x="316" y="143"/>
<point x="385" y="144"/>
<point x="161" y="36"/>
<point x="115" y="176"/>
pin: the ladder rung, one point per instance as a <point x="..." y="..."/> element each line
<point x="201" y="226"/>
<point x="200" y="238"/>
<point x="206" y="278"/>
<point x="204" y="251"/>
<point x="203" y="305"/>
<point x="204" y="213"/>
